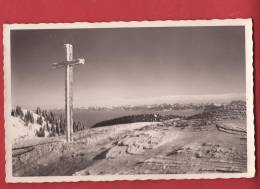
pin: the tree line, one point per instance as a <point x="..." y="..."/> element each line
<point x="51" y="124"/>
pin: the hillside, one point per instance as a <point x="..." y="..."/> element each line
<point x="27" y="124"/>
<point x="22" y="131"/>
<point x="193" y="144"/>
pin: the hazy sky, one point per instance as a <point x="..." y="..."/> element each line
<point x="127" y="65"/>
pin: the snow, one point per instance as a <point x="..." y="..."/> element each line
<point x="20" y="131"/>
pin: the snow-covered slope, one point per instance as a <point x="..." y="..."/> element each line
<point x="21" y="131"/>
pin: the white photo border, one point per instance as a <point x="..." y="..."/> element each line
<point x="247" y="23"/>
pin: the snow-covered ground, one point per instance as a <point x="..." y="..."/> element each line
<point x="174" y="146"/>
<point x="135" y="148"/>
<point x="21" y="131"/>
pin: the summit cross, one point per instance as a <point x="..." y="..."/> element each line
<point x="68" y="65"/>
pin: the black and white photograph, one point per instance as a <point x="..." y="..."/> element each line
<point x="129" y="100"/>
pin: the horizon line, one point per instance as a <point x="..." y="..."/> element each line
<point x="166" y="99"/>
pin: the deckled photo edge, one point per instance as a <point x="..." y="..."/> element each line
<point x="189" y="23"/>
<point x="7" y="100"/>
<point x="250" y="98"/>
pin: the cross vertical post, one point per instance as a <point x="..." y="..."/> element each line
<point x="68" y="93"/>
<point x="68" y="64"/>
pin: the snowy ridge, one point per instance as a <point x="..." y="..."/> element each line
<point x="21" y="131"/>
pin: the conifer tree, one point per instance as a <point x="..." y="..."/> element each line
<point x="38" y="111"/>
<point x="47" y="127"/>
<point x="57" y="129"/>
<point x="13" y="113"/>
<point x="19" y="112"/>
<point x="39" y="120"/>
<point x="40" y="132"/>
<point x="28" y="118"/>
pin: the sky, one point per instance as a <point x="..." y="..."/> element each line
<point x="128" y="65"/>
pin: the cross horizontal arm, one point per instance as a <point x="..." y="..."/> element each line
<point x="65" y="63"/>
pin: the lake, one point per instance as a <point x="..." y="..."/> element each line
<point x="91" y="117"/>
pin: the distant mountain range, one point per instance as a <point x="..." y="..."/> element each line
<point x="172" y="102"/>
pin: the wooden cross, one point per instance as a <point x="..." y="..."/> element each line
<point x="68" y="65"/>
